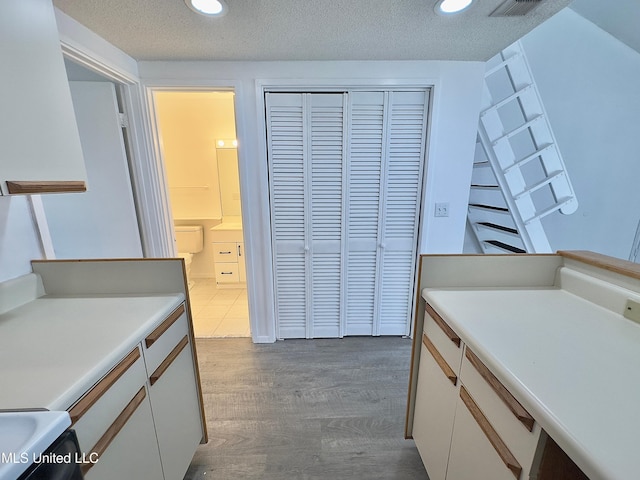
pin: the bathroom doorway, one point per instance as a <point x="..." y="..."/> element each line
<point x="198" y="144"/>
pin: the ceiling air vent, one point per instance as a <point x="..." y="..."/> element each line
<point x="515" y="8"/>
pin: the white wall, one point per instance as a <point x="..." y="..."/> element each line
<point x="457" y="87"/>
<point x="589" y="83"/>
<point x="19" y="240"/>
<point x="454" y="115"/>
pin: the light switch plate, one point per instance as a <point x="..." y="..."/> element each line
<point x="632" y="311"/>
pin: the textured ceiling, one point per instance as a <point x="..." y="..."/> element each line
<point x="304" y="29"/>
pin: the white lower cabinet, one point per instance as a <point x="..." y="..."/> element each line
<point x="466" y="425"/>
<point x="133" y="453"/>
<point x="143" y="419"/>
<point x="229" y="262"/>
<point x="472" y="454"/>
<point x="433" y="421"/>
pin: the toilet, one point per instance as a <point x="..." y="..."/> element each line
<point x="189" y="240"/>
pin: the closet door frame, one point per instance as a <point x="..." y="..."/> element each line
<point x="264" y="86"/>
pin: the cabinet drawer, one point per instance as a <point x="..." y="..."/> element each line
<point x="507" y="416"/>
<point x="225" y="252"/>
<point x="95" y="412"/>
<point x="444" y="339"/>
<point x="227" y="273"/>
<point x="159" y="343"/>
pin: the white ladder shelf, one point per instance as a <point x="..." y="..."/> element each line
<point x="519" y="176"/>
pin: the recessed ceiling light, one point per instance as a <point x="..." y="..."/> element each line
<point x="450" y="7"/>
<point x="211" y="8"/>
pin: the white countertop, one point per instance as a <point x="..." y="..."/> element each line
<point x="574" y="365"/>
<point x="53" y="349"/>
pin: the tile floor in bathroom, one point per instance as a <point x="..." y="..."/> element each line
<point x="219" y="312"/>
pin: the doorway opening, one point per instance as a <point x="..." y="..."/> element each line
<point x="198" y="145"/>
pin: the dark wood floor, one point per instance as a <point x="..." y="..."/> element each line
<point x="305" y="409"/>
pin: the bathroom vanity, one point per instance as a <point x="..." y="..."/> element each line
<point x="525" y="366"/>
<point x="111" y="343"/>
<point x="228" y="253"/>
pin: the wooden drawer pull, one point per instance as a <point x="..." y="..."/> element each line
<point x="516" y="408"/>
<point x="86" y="402"/>
<point x="443" y="325"/>
<point x="442" y="363"/>
<point x="495" y="440"/>
<point x="102" y="444"/>
<point x="155" y="376"/>
<point x="164" y="326"/>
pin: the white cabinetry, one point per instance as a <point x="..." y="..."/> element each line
<point x="142" y="419"/>
<point x="229" y="262"/>
<point x="38" y="132"/>
<point x="174" y="399"/>
<point x="437" y="393"/>
<point x="473" y="455"/>
<point x="466" y="424"/>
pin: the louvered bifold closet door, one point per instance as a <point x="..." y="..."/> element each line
<point x="364" y="203"/>
<point x="345" y="187"/>
<point x="406" y="133"/>
<point x="306" y="152"/>
<point x="287" y="144"/>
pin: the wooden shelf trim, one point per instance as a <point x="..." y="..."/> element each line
<point x="164" y="326"/>
<point x="498" y="444"/>
<point x="623" y="267"/>
<point x="453" y="336"/>
<point x="92" y="396"/>
<point x="23" y="187"/>
<point x="442" y="363"/>
<point x="516" y="408"/>
<point x="117" y="425"/>
<point x="155" y="376"/>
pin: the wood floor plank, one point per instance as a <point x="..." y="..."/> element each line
<point x="306" y="409"/>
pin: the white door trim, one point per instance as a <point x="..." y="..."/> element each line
<point x="252" y="245"/>
<point x="152" y="207"/>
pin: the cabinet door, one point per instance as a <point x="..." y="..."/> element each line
<point x="477" y="451"/>
<point x="435" y="408"/>
<point x="176" y="410"/>
<point x="39" y="138"/>
<point x="133" y="452"/>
